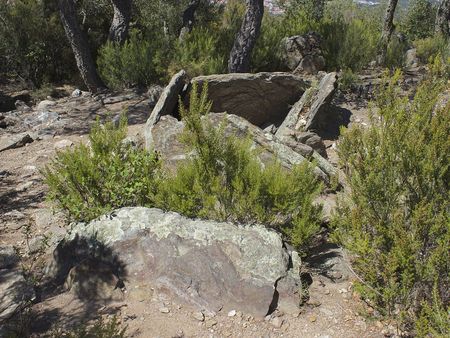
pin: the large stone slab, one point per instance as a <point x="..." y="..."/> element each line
<point x="262" y="98"/>
<point x="166" y="141"/>
<point x="310" y="111"/>
<point x="166" y="102"/>
<point x="211" y="265"/>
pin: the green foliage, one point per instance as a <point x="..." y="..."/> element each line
<point x="89" y="181"/>
<point x="394" y="216"/>
<point x="428" y="48"/>
<point x="395" y="56"/>
<point x="224" y="180"/>
<point x="199" y="53"/>
<point x="100" y="329"/>
<point x="347" y="80"/>
<point x="419" y="20"/>
<point x="130" y="64"/>
<point x="33" y="44"/>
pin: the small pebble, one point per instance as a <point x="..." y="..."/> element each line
<point x="164" y="310"/>
<point x="232" y="313"/>
<point x="199" y="316"/>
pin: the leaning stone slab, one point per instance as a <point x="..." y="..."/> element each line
<point x="166" y="103"/>
<point x="311" y="109"/>
<point x="211" y="265"/>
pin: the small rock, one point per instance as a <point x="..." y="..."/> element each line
<point x="22" y="106"/>
<point x="210" y="323"/>
<point x="63" y="144"/>
<point x="232" y="313"/>
<point x="8" y="256"/>
<point x="24" y="186"/>
<point x="312" y="318"/>
<point x="164" y="310"/>
<point x="14" y="141"/>
<point x="36" y="244"/>
<point x="277" y="322"/>
<point x="45" y="104"/>
<point x="327" y="292"/>
<point x="199" y="316"/>
<point x="76" y="93"/>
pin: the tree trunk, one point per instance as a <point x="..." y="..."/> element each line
<point x="80" y="46"/>
<point x="388" y="28"/>
<point x="241" y="52"/>
<point x="118" y="32"/>
<point x="443" y="18"/>
<point x="188" y="18"/>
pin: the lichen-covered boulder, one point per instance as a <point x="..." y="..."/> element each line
<point x="207" y="264"/>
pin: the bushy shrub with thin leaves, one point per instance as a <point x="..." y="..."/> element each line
<point x="419" y="20"/>
<point x="430" y="47"/>
<point x="394" y="217"/>
<point x="224" y="180"/>
<point x="198" y="53"/>
<point x="88" y="181"/>
<point x="130" y="64"/>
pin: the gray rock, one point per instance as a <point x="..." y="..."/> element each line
<point x="120" y="98"/>
<point x="45" y="105"/>
<point x="207" y="264"/>
<point x="310" y="64"/>
<point x="42" y="119"/>
<point x="15" y="292"/>
<point x="22" y="106"/>
<point x="310" y="111"/>
<point x="12" y="141"/>
<point x="154" y="93"/>
<point x="63" y="144"/>
<point x="411" y="59"/>
<point x="8" y="256"/>
<point x="262" y="98"/>
<point x="36" y="244"/>
<point x="302" y="53"/>
<point x="165" y="135"/>
<point x="320" y="105"/>
<point x="166" y="103"/>
<point x="76" y="93"/>
<point x="313" y="140"/>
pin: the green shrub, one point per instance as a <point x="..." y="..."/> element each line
<point x="347" y="80"/>
<point x="394" y="217"/>
<point x="395" y="56"/>
<point x="130" y="64"/>
<point x="428" y="48"/>
<point x="224" y="180"/>
<point x="100" y="329"/>
<point x="87" y="182"/>
<point x="198" y="53"/>
<point x="419" y="20"/>
<point x="33" y="44"/>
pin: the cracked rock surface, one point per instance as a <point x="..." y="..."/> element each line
<point x="211" y="265"/>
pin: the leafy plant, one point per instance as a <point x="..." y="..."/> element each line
<point x="419" y="20"/>
<point x="199" y="54"/>
<point x="224" y="180"/>
<point x="394" y="215"/>
<point x="89" y="181"/>
<point x="130" y="64"/>
<point x="430" y="47"/>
